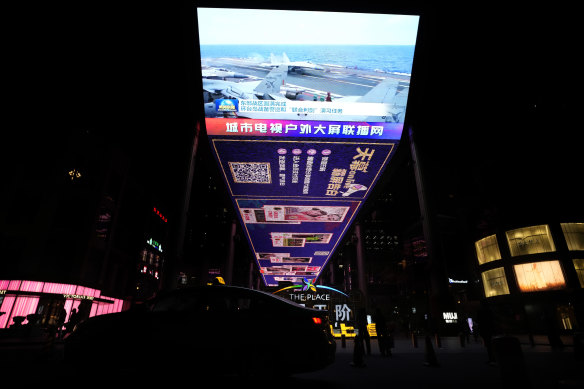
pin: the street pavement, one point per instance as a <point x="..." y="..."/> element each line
<point x="455" y="367"/>
<point x="408" y="366"/>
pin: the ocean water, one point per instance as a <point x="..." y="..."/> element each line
<point x="386" y="58"/>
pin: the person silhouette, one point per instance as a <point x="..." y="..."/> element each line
<point x="382" y="333"/>
<point x="363" y="331"/>
<point x="61" y="322"/>
<point x="73" y="320"/>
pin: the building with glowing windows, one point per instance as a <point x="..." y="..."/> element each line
<point x="533" y="276"/>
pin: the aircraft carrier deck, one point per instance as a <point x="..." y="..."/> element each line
<point x="337" y="80"/>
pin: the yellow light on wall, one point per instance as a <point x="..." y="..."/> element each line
<point x="579" y="266"/>
<point x="487" y="249"/>
<point x="538" y="276"/>
<point x="574" y="234"/>
<point x="73" y="174"/>
<point x="530" y="240"/>
<point x="495" y="282"/>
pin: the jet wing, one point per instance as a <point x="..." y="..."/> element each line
<point x="384" y="92"/>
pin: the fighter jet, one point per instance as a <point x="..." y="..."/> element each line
<point x="220" y="73"/>
<point x="268" y="88"/>
<point x="385" y="92"/>
<point x="293" y="66"/>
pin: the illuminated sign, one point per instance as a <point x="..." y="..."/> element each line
<point x="296" y="197"/>
<point x="302" y="141"/>
<point x="450" y="317"/>
<point x="308" y="284"/>
<point x="451" y="281"/>
<point x="157" y="211"/>
<point x="78" y="297"/>
<point x="154" y="244"/>
<point x="226" y="105"/>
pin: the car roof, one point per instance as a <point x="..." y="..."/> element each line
<point x="230" y="289"/>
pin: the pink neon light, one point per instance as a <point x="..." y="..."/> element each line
<point x="67" y="307"/>
<point x="7" y="305"/>
<point x="14" y="285"/>
<point x="99" y="309"/>
<point x="84" y="291"/>
<point x="119" y="304"/>
<point x="51" y="287"/>
<point x="31" y="286"/>
<point x="23" y="306"/>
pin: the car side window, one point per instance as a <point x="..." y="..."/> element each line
<point x="241" y="304"/>
<point x="217" y="304"/>
<point x="261" y="304"/>
<point x="164" y="304"/>
<point x="177" y="302"/>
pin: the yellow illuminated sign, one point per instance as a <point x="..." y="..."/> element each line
<point x="349" y="331"/>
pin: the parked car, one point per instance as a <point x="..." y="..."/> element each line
<point x="223" y="329"/>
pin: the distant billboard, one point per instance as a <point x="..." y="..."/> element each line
<point x="302" y="123"/>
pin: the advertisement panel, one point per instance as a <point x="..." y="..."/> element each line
<point x="302" y="125"/>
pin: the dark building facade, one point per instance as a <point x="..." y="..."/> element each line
<point x="532" y="277"/>
<point x="81" y="223"/>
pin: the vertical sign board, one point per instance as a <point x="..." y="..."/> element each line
<point x="299" y="165"/>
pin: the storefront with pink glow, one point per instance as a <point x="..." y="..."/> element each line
<point x="20" y="298"/>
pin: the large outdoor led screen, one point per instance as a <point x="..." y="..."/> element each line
<point x="303" y="111"/>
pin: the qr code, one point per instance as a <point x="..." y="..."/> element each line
<point x="251" y="172"/>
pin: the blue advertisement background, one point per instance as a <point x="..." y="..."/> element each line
<point x="266" y="151"/>
<point x="271" y="191"/>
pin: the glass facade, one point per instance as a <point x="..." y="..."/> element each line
<point x="21" y="298"/>
<point x="579" y="266"/>
<point x="537" y="276"/>
<point x="495" y="282"/>
<point x="487" y="249"/>
<point x="530" y="240"/>
<point x="574" y="234"/>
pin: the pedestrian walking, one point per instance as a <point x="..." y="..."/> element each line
<point x="363" y="331"/>
<point x="382" y="333"/>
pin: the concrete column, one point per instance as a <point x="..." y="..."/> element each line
<point x="361" y="271"/>
<point x="231" y="254"/>
<point x="250" y="276"/>
<point x="436" y="276"/>
<point x="332" y="271"/>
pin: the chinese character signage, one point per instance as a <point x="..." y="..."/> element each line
<point x="302" y="141"/>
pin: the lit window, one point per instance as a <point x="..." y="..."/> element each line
<point x="536" y="276"/>
<point x="530" y="240"/>
<point x="487" y="249"/>
<point x="579" y="266"/>
<point x="495" y="282"/>
<point x="574" y="234"/>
